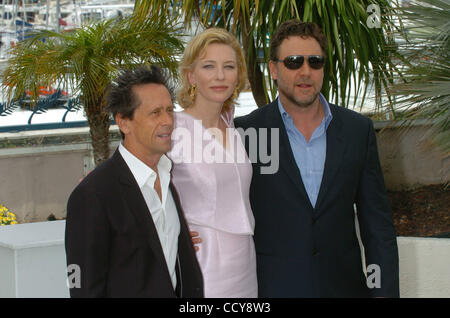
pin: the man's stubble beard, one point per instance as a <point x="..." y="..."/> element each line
<point x="301" y="104"/>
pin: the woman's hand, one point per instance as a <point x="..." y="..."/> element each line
<point x="196" y="239"/>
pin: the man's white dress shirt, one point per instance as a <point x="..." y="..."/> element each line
<point x="164" y="213"/>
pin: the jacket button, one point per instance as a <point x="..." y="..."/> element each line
<point x="315" y="252"/>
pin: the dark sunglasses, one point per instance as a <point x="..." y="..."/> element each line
<point x="294" y="62"/>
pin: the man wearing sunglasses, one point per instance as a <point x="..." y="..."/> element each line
<point x="305" y="233"/>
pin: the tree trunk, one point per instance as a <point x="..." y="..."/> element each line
<point x="255" y="76"/>
<point x="99" y="130"/>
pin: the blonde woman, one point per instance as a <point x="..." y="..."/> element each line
<point x="211" y="172"/>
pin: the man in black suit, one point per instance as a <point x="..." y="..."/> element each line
<point x="305" y="233"/>
<point x="125" y="228"/>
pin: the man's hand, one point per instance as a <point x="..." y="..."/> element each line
<point x="196" y="239"/>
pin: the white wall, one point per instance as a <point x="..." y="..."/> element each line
<point x="33" y="261"/>
<point x="424" y="267"/>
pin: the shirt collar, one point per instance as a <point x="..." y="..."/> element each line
<point x="326" y="108"/>
<point x="141" y="172"/>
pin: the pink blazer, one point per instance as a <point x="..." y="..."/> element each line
<point x="213" y="183"/>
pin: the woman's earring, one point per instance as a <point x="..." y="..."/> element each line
<point x="192" y="92"/>
<point x="235" y="94"/>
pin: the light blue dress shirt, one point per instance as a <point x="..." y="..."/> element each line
<point x="309" y="156"/>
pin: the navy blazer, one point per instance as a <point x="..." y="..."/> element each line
<point x="314" y="252"/>
<point x="110" y="234"/>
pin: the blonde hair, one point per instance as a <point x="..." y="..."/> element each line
<point x="195" y="49"/>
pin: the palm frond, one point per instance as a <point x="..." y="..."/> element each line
<point x="87" y="58"/>
<point x="7" y="108"/>
<point x="424" y="89"/>
<point x="359" y="56"/>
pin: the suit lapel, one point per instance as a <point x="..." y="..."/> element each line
<point x="186" y="253"/>
<point x="138" y="208"/>
<point x="334" y="154"/>
<point x="176" y="199"/>
<point x="287" y="160"/>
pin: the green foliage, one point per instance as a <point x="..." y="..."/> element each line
<point x="88" y="58"/>
<point x="359" y="55"/>
<point x="424" y="89"/>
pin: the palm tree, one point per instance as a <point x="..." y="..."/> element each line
<point x="424" y="90"/>
<point x="87" y="59"/>
<point x="359" y="53"/>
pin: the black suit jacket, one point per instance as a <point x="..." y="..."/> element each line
<point x="110" y="234"/>
<point x="314" y="252"/>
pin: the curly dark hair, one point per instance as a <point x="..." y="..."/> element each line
<point x="296" y="27"/>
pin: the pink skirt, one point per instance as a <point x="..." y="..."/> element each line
<point x="228" y="263"/>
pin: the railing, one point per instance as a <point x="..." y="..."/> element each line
<point x="17" y="128"/>
<point x="55" y="100"/>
